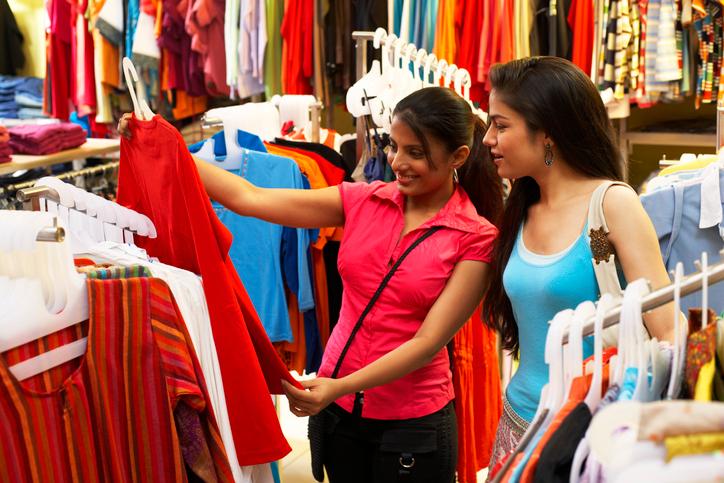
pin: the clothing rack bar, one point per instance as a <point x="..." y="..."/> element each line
<point x="63" y="176"/>
<point x="662" y="296"/>
<point x="53" y="233"/>
<point x="30" y="197"/>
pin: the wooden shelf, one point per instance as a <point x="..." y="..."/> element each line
<point x="670" y="139"/>
<point x="92" y="147"/>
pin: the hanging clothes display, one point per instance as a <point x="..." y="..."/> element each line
<point x="686" y="209"/>
<point x="264" y="253"/>
<point x="91" y="423"/>
<point x="603" y="423"/>
<point x="193" y="238"/>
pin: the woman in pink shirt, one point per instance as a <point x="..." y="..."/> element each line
<point x="390" y="407"/>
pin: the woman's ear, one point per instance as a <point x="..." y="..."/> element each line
<point x="459" y="156"/>
<point x="548" y="140"/>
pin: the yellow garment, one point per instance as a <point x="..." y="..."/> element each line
<point x="703" y="389"/>
<point x="31" y="17"/>
<point x="693" y="444"/>
<point x="522" y="25"/>
<point x="445" y="45"/>
<point x="698" y="163"/>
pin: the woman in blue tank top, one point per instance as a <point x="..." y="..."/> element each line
<point x="549" y="131"/>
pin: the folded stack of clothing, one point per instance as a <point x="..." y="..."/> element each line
<point x="5" y="150"/>
<point x="46" y="138"/>
<point x="21" y="97"/>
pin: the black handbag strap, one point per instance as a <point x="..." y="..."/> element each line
<point x="376" y="296"/>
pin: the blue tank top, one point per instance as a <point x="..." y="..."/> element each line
<point x="540" y="286"/>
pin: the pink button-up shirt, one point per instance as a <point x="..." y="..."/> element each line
<point x="374" y="219"/>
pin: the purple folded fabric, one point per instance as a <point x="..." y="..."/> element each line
<point x="46" y="138"/>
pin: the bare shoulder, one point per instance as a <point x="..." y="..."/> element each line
<point x="626" y="217"/>
<point x="621" y="202"/>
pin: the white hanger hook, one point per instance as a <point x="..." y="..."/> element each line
<point x="380" y="35"/>
<point x="140" y="107"/>
<point x="399" y="46"/>
<point x="129" y="72"/>
<point x="387" y="48"/>
<point x="419" y="56"/>
<point x="410" y="52"/>
<point x="441" y="67"/>
<point x="704" y="289"/>
<point x="463" y="77"/>
<point x="450" y="74"/>
<point x="431" y="59"/>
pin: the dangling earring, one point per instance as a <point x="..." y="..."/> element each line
<point x="548" y="157"/>
<point x="456" y="180"/>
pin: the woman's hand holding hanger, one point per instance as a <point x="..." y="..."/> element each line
<point x="123" y="128"/>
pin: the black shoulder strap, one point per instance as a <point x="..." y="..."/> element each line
<point x="377" y="294"/>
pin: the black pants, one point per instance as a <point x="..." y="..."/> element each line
<point x="416" y="450"/>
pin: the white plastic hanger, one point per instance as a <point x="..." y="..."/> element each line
<point x="431" y="59"/>
<point x="595" y="392"/>
<point x="409" y="69"/>
<point x="112" y="218"/>
<point x="140" y="107"/>
<point x="419" y="77"/>
<point x="554" y="359"/>
<point x="703" y="266"/>
<point x="388" y="46"/>
<point x="679" y="334"/>
<point x="574" y="349"/>
<point x="458" y="82"/>
<point x="30" y="319"/>
<point x="441" y="67"/>
<point x="379" y="36"/>
<point x="449" y="76"/>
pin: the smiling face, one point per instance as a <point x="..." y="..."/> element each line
<point x="517" y="152"/>
<point x="416" y="175"/>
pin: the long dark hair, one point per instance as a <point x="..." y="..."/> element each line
<point x="556" y="97"/>
<point x="441" y="113"/>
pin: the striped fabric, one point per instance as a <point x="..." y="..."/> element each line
<point x="112" y="418"/>
<point x="624" y="34"/>
<point x="641" y="97"/>
<point x="106" y="273"/>
<point x="667" y="62"/>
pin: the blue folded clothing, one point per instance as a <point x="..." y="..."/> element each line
<point x="8" y="105"/>
<point x="24" y="99"/>
<point x="30" y="113"/>
<point x="28" y="85"/>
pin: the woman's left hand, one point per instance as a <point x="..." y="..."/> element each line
<point x="319" y="394"/>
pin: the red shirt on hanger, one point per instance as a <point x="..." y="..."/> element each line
<point x="158" y="177"/>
